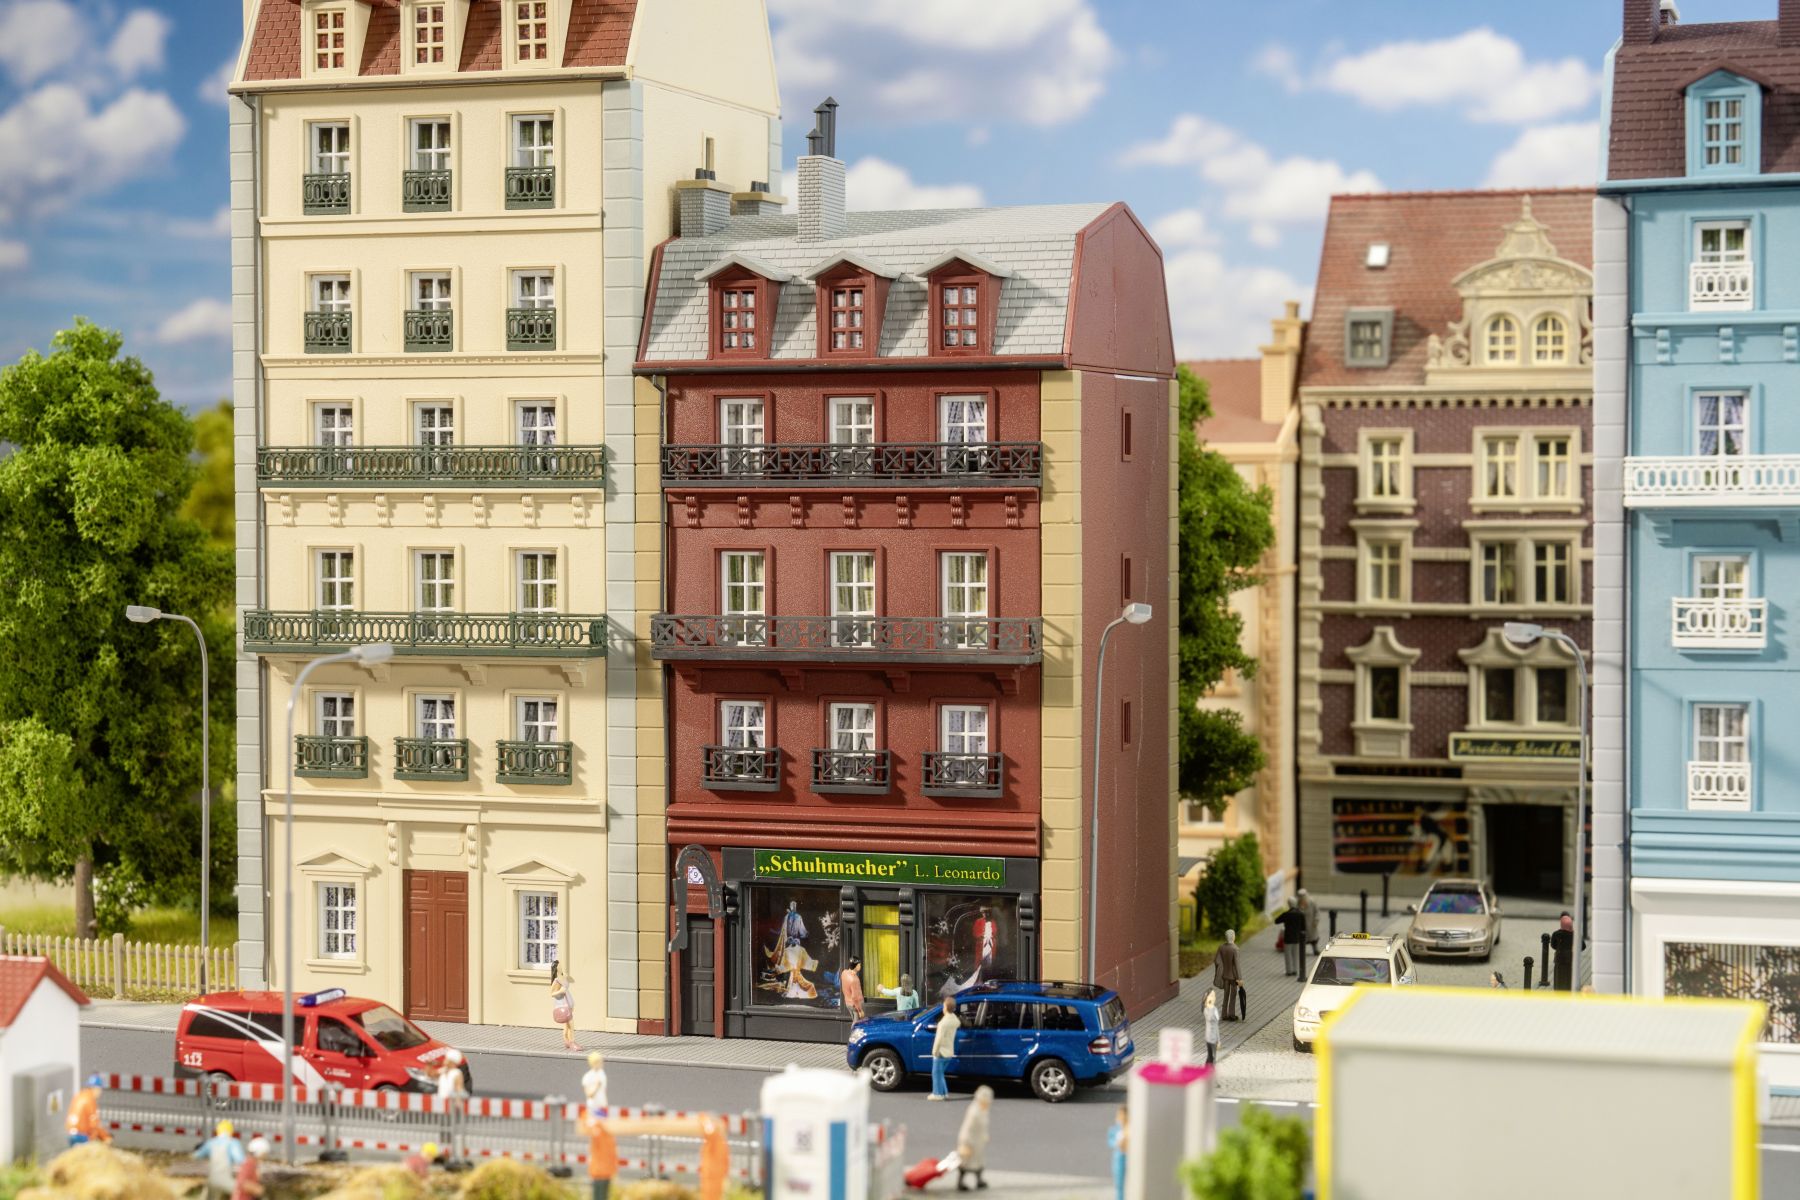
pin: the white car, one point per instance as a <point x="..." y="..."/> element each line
<point x="1347" y="960"/>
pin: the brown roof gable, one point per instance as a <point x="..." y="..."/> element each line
<point x="381" y="48"/>
<point x="1648" y="138"/>
<point x="481" y="38"/>
<point x="599" y="33"/>
<point x="1433" y="237"/>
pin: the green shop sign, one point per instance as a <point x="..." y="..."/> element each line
<point x="905" y="869"/>
<point x="1514" y="747"/>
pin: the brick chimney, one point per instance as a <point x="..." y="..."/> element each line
<point x="1787" y="23"/>
<point x="759" y="201"/>
<point x="1281" y="365"/>
<point x="1642" y="19"/>
<point x="820" y="183"/>
<point x="1670" y="14"/>
<point x="703" y="205"/>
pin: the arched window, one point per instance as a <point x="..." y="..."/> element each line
<point x="1503" y="340"/>
<point x="1549" y="340"/>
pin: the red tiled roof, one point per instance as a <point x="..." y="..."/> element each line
<point x="1432" y="237"/>
<point x="275" y="42"/>
<point x="381" y="45"/>
<point x="1234" y="386"/>
<point x="599" y="33"/>
<point x="481" y="38"/>
<point x="19" y="978"/>
<point x="1648" y="138"/>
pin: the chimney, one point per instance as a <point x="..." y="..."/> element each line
<point x="757" y="202"/>
<point x="821" y="180"/>
<point x="1281" y="365"/>
<point x="1642" y="19"/>
<point x="703" y="205"/>
<point x="1670" y="15"/>
<point x="1787" y="23"/>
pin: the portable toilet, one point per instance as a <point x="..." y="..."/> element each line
<point x="816" y="1135"/>
<point x="40" y="1050"/>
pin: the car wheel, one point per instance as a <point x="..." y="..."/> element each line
<point x="1051" y="1080"/>
<point x="1299" y="1046"/>
<point x="215" y="1083"/>
<point x="885" y="1072"/>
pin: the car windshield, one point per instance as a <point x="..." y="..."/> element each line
<point x="1345" y="971"/>
<point x="1112" y="1013"/>
<point x="391" y="1030"/>
<point x="1454" y="903"/>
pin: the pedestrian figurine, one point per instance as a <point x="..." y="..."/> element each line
<point x="593" y="1085"/>
<point x="1310" y="907"/>
<point x="1496" y="980"/>
<point x="1118" y="1139"/>
<point x="1225" y="971"/>
<point x="715" y="1158"/>
<point x="603" y="1158"/>
<point x="1562" y="948"/>
<point x="452" y="1089"/>
<point x="420" y="1161"/>
<point x="223" y="1154"/>
<point x="906" y="997"/>
<point x="562" y="1005"/>
<point x="943" y="1049"/>
<point x="83" y="1121"/>
<point x="249" y="1172"/>
<point x="1293" y="937"/>
<point x="1212" y="1027"/>
<point x="972" y="1140"/>
<point x="850" y="983"/>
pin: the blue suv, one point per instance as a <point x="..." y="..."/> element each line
<point x="1052" y="1035"/>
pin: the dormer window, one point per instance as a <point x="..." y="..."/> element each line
<point x="330" y="39"/>
<point x="1722" y="132"/>
<point x="743" y="295"/>
<point x="1549" y="340"/>
<point x="851" y="297"/>
<point x="1368" y="337"/>
<point x="531" y="30"/>
<point x="964" y="294"/>
<point x="428" y="34"/>
<point x="848" y="327"/>
<point x="959" y="313"/>
<point x="1724" y="124"/>
<point x="739" y="319"/>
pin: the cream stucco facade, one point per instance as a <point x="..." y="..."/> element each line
<point x="558" y="845"/>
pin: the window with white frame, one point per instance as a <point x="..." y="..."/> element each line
<point x="1722" y="734"/>
<point x="430" y="144"/>
<point x="1528" y="565"/>
<point x="744" y="591"/>
<point x="330" y="39"/>
<point x="335" y="714"/>
<point x="1721" y="424"/>
<point x="1553" y="572"/>
<point x="743" y="724"/>
<point x="1386" y="472"/>
<point x="963" y="419"/>
<point x="1554" y="476"/>
<point x="852" y="727"/>
<point x="741" y="421"/>
<point x="540" y="930"/>
<point x="531" y="30"/>
<point x="330" y="147"/>
<point x="1723" y="577"/>
<point x="435" y="717"/>
<point x="1384" y="563"/>
<point x="852" y="420"/>
<point x="1722" y="131"/>
<point x="330" y="293"/>
<point x="334" y="425"/>
<point x="435" y="571"/>
<point x="337" y="920"/>
<point x="1500" y="467"/>
<point x="428" y="33"/>
<point x="537" y="423"/>
<point x="434" y="424"/>
<point x="1382" y="721"/>
<point x="537" y="581"/>
<point x="431" y="291"/>
<point x="1499" y="573"/>
<point x="337" y="580"/>
<point x="963" y="729"/>
<point x="964" y="580"/>
<point x="1552" y="687"/>
<point x="538" y="719"/>
<point x="534" y="141"/>
<point x="1722" y="243"/>
<point x="1549" y="340"/>
<point x="1502" y="341"/>
<point x="852" y="596"/>
<point x="534" y="288"/>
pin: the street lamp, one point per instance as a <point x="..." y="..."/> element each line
<point x="141" y="614"/>
<point x="1134" y="614"/>
<point x="369" y="656"/>
<point x="1523" y="633"/>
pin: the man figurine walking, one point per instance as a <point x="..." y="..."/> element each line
<point x="1562" y="949"/>
<point x="1293" y="937"/>
<point x="1225" y="972"/>
<point x="972" y="1140"/>
<point x="943" y="1049"/>
<point x="1311" y="908"/>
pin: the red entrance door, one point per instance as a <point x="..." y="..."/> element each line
<point x="437" y="945"/>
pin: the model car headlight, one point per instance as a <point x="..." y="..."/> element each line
<point x="858" y="1033"/>
<point x="1305" y="1013"/>
<point x="423" y="1078"/>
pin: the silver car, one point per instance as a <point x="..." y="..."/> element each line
<point x="1458" y="918"/>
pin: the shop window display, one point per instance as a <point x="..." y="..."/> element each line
<point x="880" y="947"/>
<point x="796" y="934"/>
<point x="969" y="940"/>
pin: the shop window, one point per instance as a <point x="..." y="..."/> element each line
<point x="968" y="940"/>
<point x="795" y="935"/>
<point x="880" y="949"/>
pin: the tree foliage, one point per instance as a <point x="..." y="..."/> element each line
<point x="1230" y="889"/>
<point x="213" y="500"/>
<point x="99" y="718"/>
<point x="1263" y="1157"/>
<point x="1225" y="527"/>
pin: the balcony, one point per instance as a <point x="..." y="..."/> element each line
<point x="1713" y="481"/>
<point x="536" y="763"/>
<point x="1712" y="624"/>
<point x="531" y="187"/>
<point x="1721" y="287"/>
<point x="331" y="757"/>
<point x="328" y="332"/>
<point x="978" y="776"/>
<point x="431" y="759"/>
<point x="466" y="466"/>
<point x="531" y="329"/>
<point x="923" y="464"/>
<point x="996" y="641"/>
<point x="515" y="635"/>
<point x="738" y="769"/>
<point x="430" y="330"/>
<point x="852" y="772"/>
<point x="325" y="195"/>
<point x="1718" y="786"/>
<point x="425" y="191"/>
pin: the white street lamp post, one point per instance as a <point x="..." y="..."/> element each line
<point x="1134" y="614"/>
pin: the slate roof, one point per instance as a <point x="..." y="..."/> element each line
<point x="1433" y="237"/>
<point x="1648" y="138"/>
<point x="1036" y="243"/>
<point x="1234" y="386"/>
<point x="19" y="978"/>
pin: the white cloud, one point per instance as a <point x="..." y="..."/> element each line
<point x="1222" y="311"/>
<point x="220" y="225"/>
<point x="55" y="146"/>
<point x="1184" y="228"/>
<point x="1549" y="156"/>
<point x="1484" y="72"/>
<point x="137" y="45"/>
<point x="212" y="88"/>
<point x="874" y="185"/>
<point x="1280" y="64"/>
<point x="14" y="255"/>
<point x="1041" y="62"/>
<point x="38" y="37"/>
<point x="202" y="320"/>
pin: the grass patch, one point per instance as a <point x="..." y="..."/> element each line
<point x="165" y="926"/>
<point x="1197" y="952"/>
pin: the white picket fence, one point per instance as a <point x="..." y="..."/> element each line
<point x="123" y="967"/>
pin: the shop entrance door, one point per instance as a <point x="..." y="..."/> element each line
<point x="1525" y="850"/>
<point x="437" y="945"/>
<point x="699" y="979"/>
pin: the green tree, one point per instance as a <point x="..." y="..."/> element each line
<point x="213" y="502"/>
<point x="99" y="745"/>
<point x="1231" y="889"/>
<point x="1225" y="527"/>
<point x="1263" y="1157"/>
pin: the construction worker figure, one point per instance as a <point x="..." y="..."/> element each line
<point x="603" y="1157"/>
<point x="715" y="1158"/>
<point x="84" y="1114"/>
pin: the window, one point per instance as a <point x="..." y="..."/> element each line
<point x="1126" y="575"/>
<point x="741" y="724"/>
<point x="334" y="424"/>
<point x="742" y="571"/>
<point x="1386" y="461"/>
<point x="1499" y="573"/>
<point x="1722" y="577"/>
<point x="331" y="293"/>
<point x="881" y="951"/>
<point x="852" y="597"/>
<point x="1549" y="340"/>
<point x="435" y="717"/>
<point x="337" y="580"/>
<point x="1125" y="435"/>
<point x="537" y="581"/>
<point x="337" y="920"/>
<point x="431" y="145"/>
<point x="329" y="39"/>
<point x="534" y="289"/>
<point x="1552" y="695"/>
<point x="428" y="34"/>
<point x="1722" y="424"/>
<point x="852" y="421"/>
<point x="431" y="291"/>
<point x="852" y="727"/>
<point x="1722" y="132"/>
<point x="335" y="1037"/>
<point x="959" y="314"/>
<point x="434" y="425"/>
<point x="1384" y="693"/>
<point x="1502" y="340"/>
<point x="537" y="717"/>
<point x="540" y="930"/>
<point x="336" y="715"/>
<point x="1555" y="476"/>
<point x="741" y="421"/>
<point x="436" y="580"/>
<point x="534" y="141"/>
<point x="330" y="148"/>
<point x="963" y="420"/>
<point x="963" y="729"/>
<point x="965" y="583"/>
<point x="1500" y="468"/>
<point x="1368" y="337"/>
<point x="537" y="424"/>
<point x="847" y="316"/>
<point x="1124" y="724"/>
<point x="1553" y="579"/>
<point x="1722" y="243"/>
<point x="531" y="30"/>
<point x="1499" y="695"/>
<point x="736" y="318"/>
<point x="1384" y="572"/>
<point x="1722" y="733"/>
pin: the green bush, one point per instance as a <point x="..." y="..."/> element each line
<point x="1262" y="1158"/>
<point x="508" y="1179"/>
<point x="1231" y="888"/>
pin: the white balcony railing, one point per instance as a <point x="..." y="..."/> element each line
<point x="1720" y="624"/>
<point x="1713" y="481"/>
<point x="1718" y="785"/>
<point x="1721" y="286"/>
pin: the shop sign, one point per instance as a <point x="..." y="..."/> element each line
<point x="895" y="869"/>
<point x="1514" y="747"/>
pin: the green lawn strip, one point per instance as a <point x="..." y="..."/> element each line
<point x="160" y="926"/>
<point x="1197" y="952"/>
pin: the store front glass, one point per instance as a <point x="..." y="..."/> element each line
<point x="969" y="939"/>
<point x="794" y="946"/>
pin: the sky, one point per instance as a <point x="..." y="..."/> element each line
<point x="1225" y="124"/>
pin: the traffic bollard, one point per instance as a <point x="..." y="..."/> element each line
<point x="1385" y="876"/>
<point x="1332" y="913"/>
<point x="559" y="1136"/>
<point x="1544" y="964"/>
<point x="1365" y="911"/>
<point x="1528" y="972"/>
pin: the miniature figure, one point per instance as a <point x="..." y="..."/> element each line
<point x="850" y="984"/>
<point x="789" y="957"/>
<point x="223" y="1154"/>
<point x="249" y="1172"/>
<point x="562" y="1010"/>
<point x="452" y="1090"/>
<point x="986" y="933"/>
<point x="943" y="1049"/>
<point x="715" y="1158"/>
<point x="1311" y="909"/>
<point x="972" y="1140"/>
<point x="905" y="997"/>
<point x="420" y="1161"/>
<point x="84" y="1114"/>
<point x="593" y="1085"/>
<point x="1212" y="1026"/>
<point x="1293" y="938"/>
<point x="1225" y="971"/>
<point x="1562" y="949"/>
<point x="1118" y="1138"/>
<point x="603" y="1157"/>
<point x="1496" y="980"/>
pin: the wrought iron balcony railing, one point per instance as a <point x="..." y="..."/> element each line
<point x="431" y="758"/>
<point x="430" y="329"/>
<point x="1718" y="624"/>
<point x="425" y="191"/>
<point x="310" y="466"/>
<point x="328" y="332"/>
<point x="317" y="757"/>
<point x="531" y="329"/>
<point x="535" y="762"/>
<point x="1721" y="286"/>
<point x="531" y="187"/>
<point x="325" y="194"/>
<point x="1718" y="785"/>
<point x="740" y="769"/>
<point x="852" y="772"/>
<point x="1000" y="641"/>
<point x="517" y="635"/>
<point x="922" y="464"/>
<point x="1713" y="481"/>
<point x="978" y="775"/>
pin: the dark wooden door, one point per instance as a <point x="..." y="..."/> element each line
<point x="698" y="979"/>
<point x="437" y="945"/>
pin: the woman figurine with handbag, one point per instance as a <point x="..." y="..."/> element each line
<point x="562" y="1010"/>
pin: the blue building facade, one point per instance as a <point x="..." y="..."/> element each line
<point x="1697" y="766"/>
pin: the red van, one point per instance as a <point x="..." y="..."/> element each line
<point x="338" y="1039"/>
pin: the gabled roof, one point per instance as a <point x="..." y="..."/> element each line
<point x="960" y="254"/>
<point x="19" y="978"/>
<point x="755" y="266"/>
<point x="850" y="258"/>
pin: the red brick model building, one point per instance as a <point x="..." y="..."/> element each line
<point x="913" y="464"/>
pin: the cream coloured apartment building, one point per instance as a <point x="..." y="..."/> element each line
<point x="442" y="214"/>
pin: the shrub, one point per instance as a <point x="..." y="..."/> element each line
<point x="98" y="1172"/>
<point x="507" y="1179"/>
<point x="1231" y="887"/>
<point x="389" y="1182"/>
<point x="655" y="1189"/>
<point x="1262" y="1158"/>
